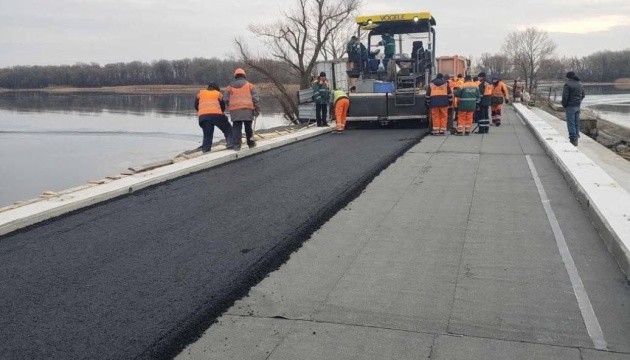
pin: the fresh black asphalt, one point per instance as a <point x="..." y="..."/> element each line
<point x="144" y="275"/>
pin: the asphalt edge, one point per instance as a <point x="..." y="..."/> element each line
<point x="605" y="201"/>
<point x="192" y="328"/>
<point x="25" y="216"/>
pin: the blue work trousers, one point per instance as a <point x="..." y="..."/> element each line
<point x="573" y="121"/>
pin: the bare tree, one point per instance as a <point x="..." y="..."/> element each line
<point x="496" y="64"/>
<point x="528" y="50"/>
<point x="335" y="47"/>
<point x="298" y="40"/>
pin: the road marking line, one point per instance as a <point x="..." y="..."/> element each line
<point x="586" y="308"/>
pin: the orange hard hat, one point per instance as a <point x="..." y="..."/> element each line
<point x="239" y="71"/>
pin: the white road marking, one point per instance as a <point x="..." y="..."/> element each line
<point x="588" y="314"/>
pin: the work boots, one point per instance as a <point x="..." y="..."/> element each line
<point x="229" y="143"/>
<point x="251" y="143"/>
<point x="574" y="142"/>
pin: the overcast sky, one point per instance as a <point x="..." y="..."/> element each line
<point x="47" y="32"/>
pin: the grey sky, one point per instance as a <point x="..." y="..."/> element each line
<point x="42" y="32"/>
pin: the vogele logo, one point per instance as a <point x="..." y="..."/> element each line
<point x="392" y="17"/>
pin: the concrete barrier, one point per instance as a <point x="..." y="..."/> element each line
<point x="606" y="202"/>
<point x="52" y="207"/>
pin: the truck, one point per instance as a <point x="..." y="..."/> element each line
<point x="452" y="65"/>
<point x="391" y="89"/>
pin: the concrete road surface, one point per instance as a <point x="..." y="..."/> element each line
<point x="464" y="248"/>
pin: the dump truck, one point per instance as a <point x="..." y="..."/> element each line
<point x="452" y="65"/>
<point x="389" y="90"/>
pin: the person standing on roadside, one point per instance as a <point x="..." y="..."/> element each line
<point x="210" y="109"/>
<point x="469" y="98"/>
<point x="244" y="104"/>
<point x="500" y="95"/>
<point x="439" y="98"/>
<point x="321" y="96"/>
<point x="485" y="90"/>
<point x="572" y="96"/>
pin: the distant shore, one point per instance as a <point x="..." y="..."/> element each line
<point x="265" y="89"/>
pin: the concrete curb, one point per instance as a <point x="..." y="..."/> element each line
<point x="27" y="215"/>
<point x="606" y="202"/>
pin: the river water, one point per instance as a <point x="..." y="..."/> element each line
<point x="58" y="141"/>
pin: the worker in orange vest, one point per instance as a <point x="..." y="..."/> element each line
<point x="483" y="118"/>
<point x="500" y="95"/>
<point x="455" y="84"/>
<point x="439" y="98"/>
<point x="210" y="107"/>
<point x="341" y="102"/>
<point x="244" y="105"/>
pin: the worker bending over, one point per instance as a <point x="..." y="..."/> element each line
<point x="500" y="95"/>
<point x="244" y="104"/>
<point x="210" y="109"/>
<point x="469" y="98"/>
<point x="439" y="98"/>
<point x="342" y="105"/>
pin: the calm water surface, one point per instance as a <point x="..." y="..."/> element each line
<point x="58" y="141"/>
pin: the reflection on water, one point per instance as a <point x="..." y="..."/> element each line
<point x="97" y="102"/>
<point x="57" y="141"/>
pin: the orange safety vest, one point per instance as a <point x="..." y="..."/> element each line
<point x="487" y="91"/>
<point x="500" y="91"/>
<point x="439" y="95"/>
<point x="241" y="98"/>
<point x="454" y="84"/>
<point x="209" y="102"/>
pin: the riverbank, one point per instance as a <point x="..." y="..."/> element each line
<point x="264" y="89"/>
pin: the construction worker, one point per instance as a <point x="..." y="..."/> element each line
<point x="451" y="109"/>
<point x="500" y="95"/>
<point x="476" y="81"/>
<point x="389" y="43"/>
<point x="439" y="98"/>
<point x="341" y="102"/>
<point x="485" y="89"/>
<point x="210" y="107"/>
<point x="469" y="98"/>
<point x="454" y="84"/>
<point x="321" y="96"/>
<point x="244" y="104"/>
<point x="460" y="79"/>
<point x="352" y="48"/>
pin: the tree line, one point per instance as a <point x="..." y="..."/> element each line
<point x="530" y="55"/>
<point x="602" y="66"/>
<point x="161" y="72"/>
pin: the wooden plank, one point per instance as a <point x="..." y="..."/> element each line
<point x="151" y="166"/>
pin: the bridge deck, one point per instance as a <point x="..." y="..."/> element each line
<point x="448" y="254"/>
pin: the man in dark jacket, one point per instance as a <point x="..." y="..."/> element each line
<point x="572" y="95"/>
